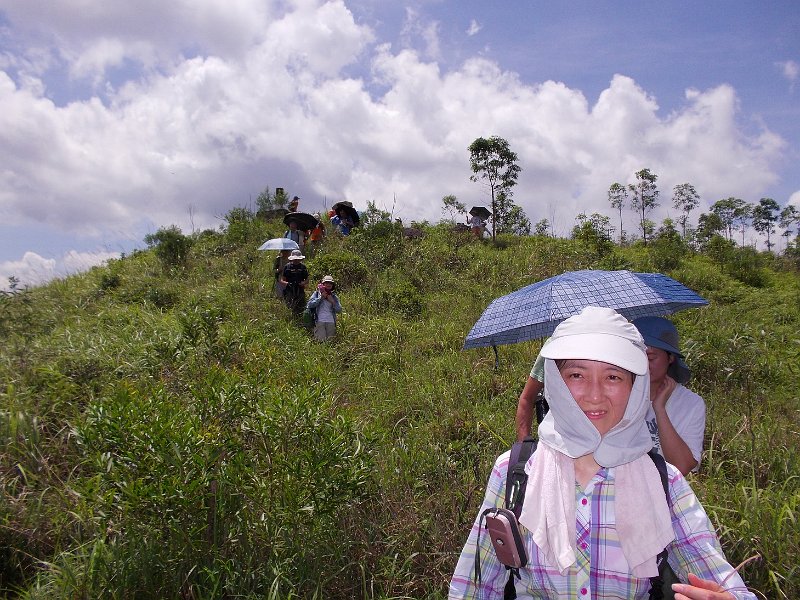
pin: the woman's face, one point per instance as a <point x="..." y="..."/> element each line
<point x="659" y="361"/>
<point x="600" y="389"/>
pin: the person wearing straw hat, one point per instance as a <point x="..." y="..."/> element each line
<point x="326" y="305"/>
<point x="595" y="516"/>
<point x="295" y="279"/>
<point x="677" y="416"/>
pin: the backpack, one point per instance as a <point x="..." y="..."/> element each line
<point x="309" y="318"/>
<point x="517" y="481"/>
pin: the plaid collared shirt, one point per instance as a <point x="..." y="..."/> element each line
<point x="600" y="569"/>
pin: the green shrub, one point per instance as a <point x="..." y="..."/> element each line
<point x="244" y="228"/>
<point x="171" y="246"/>
<point x="380" y="244"/>
<point x="747" y="265"/>
<point x="213" y="450"/>
<point x="222" y="493"/>
<point x="667" y="249"/>
<point x="348" y="268"/>
<point x="396" y="293"/>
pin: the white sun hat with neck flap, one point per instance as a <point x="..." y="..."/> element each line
<point x="602" y="334"/>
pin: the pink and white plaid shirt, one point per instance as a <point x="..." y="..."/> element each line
<point x="600" y="570"/>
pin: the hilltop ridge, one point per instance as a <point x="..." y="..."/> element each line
<point x="167" y="429"/>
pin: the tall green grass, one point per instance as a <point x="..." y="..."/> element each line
<point x="170" y="430"/>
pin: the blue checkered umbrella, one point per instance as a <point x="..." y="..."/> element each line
<point x="534" y="311"/>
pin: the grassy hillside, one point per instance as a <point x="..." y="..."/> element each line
<point x="170" y="432"/>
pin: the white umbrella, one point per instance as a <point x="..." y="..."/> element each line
<point x="279" y="244"/>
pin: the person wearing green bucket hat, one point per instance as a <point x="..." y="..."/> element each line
<point x="677" y="416"/>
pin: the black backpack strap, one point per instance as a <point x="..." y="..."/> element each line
<point x="478" y="546"/>
<point x="516" y="482"/>
<point x="657" y="582"/>
<point x="516" y="478"/>
<point x="510" y="591"/>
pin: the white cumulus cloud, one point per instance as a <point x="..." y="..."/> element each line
<point x="32" y="269"/>
<point x="303" y="96"/>
<point x="790" y="70"/>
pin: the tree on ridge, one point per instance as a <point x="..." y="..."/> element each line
<point x="645" y="197"/>
<point x="493" y="160"/>
<point x="685" y="198"/>
<point x="618" y="197"/>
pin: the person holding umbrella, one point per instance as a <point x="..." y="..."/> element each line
<point x="595" y="518"/>
<point x="676" y="418"/>
<point x="477" y="220"/>
<point x="284" y="246"/>
<point x="345" y="217"/>
<point x="295" y="234"/>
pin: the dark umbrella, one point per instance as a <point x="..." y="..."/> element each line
<point x="535" y="311"/>
<point x="348" y="208"/>
<point x="304" y="221"/>
<point x="481" y="212"/>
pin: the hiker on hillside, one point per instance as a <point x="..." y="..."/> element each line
<point x="476" y="226"/>
<point x="676" y="417"/>
<point x="342" y="221"/>
<point x="294" y="204"/>
<point x="295" y="278"/>
<point x="317" y="235"/>
<point x="595" y="515"/>
<point x="295" y="234"/>
<point x="326" y="304"/>
<point x="281" y="260"/>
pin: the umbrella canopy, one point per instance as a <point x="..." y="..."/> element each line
<point x="348" y="208"/>
<point x="304" y="221"/>
<point x="535" y="310"/>
<point x="481" y="212"/>
<point x="279" y="244"/>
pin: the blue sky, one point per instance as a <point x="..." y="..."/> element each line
<point x="116" y="119"/>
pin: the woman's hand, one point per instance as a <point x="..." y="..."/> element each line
<point x="700" y="589"/>
<point x="661" y="394"/>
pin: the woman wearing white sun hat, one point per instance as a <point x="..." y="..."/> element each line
<point x="595" y="515"/>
